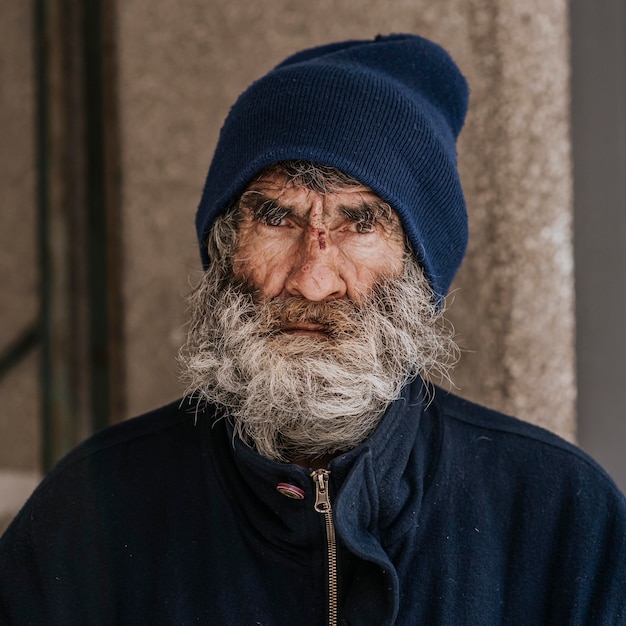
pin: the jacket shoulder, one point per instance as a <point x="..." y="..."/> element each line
<point x="520" y="441"/>
<point x="143" y="440"/>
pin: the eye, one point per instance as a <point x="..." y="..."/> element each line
<point x="271" y="214"/>
<point x="274" y="220"/>
<point x="362" y="219"/>
<point x="365" y="227"/>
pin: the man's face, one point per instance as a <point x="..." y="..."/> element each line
<point x="311" y="316"/>
<point x="321" y="247"/>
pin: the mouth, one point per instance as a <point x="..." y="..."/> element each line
<point x="305" y="329"/>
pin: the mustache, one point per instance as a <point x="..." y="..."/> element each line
<point x="335" y="318"/>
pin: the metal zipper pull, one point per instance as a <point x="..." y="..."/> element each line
<point x="322" y="505"/>
<point x="322" y="501"/>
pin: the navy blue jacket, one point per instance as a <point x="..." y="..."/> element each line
<point x="449" y="514"/>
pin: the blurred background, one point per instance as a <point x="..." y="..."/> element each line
<point x="109" y="112"/>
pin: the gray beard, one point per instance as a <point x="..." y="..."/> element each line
<point x="296" y="396"/>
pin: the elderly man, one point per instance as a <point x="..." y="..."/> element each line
<point x="311" y="475"/>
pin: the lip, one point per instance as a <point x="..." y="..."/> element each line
<point x="304" y="329"/>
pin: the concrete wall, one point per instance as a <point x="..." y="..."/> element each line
<point x="180" y="67"/>
<point x="515" y="301"/>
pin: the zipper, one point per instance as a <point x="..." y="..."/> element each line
<point x="322" y="505"/>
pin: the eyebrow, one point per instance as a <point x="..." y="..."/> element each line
<point x="368" y="212"/>
<point x="262" y="207"/>
<point x="265" y="209"/>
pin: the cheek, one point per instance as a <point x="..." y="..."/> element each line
<point x="261" y="265"/>
<point x="384" y="259"/>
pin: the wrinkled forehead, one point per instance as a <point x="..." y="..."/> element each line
<point x="296" y="191"/>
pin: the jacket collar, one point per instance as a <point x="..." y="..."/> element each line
<point x="376" y="488"/>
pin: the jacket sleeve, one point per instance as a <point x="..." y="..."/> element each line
<point x="44" y="572"/>
<point x="21" y="585"/>
<point x="600" y="597"/>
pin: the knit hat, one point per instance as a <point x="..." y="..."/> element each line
<point x="385" y="111"/>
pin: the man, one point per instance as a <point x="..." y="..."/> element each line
<point x="311" y="475"/>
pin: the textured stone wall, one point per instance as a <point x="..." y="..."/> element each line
<point x="182" y="67"/>
<point x="515" y="302"/>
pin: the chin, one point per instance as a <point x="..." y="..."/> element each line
<point x="298" y="343"/>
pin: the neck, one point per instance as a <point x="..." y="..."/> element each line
<point x="318" y="463"/>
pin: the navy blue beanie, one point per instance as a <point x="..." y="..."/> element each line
<point x="385" y="111"/>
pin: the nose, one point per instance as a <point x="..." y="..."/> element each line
<point x="315" y="272"/>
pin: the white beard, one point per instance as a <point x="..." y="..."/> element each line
<point x="300" y="396"/>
